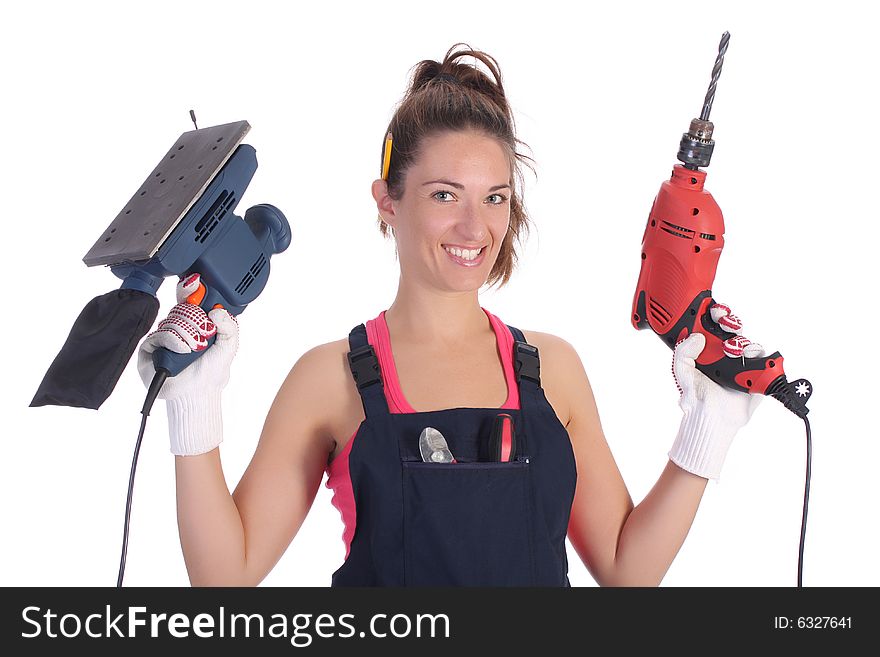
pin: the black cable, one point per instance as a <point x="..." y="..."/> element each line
<point x="792" y="396"/>
<point x="800" y="574"/>
<point x="152" y="393"/>
<point x="137" y="449"/>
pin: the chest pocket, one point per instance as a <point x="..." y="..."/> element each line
<point x="467" y="524"/>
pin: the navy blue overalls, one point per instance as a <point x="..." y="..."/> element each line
<point x="469" y="523"/>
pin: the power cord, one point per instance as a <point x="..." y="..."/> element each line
<point x="152" y="394"/>
<point x="794" y="397"/>
<point x="800" y="574"/>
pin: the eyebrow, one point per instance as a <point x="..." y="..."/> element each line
<point x="460" y="186"/>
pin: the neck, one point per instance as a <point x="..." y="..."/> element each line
<point x="434" y="316"/>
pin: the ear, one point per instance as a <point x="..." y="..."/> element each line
<point x="384" y="203"/>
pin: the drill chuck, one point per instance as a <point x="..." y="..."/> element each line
<point x="696" y="146"/>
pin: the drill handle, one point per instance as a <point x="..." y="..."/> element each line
<point x="763" y="375"/>
<point x="752" y="375"/>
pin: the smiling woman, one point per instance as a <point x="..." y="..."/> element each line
<point x="457" y="97"/>
<point x="460" y="450"/>
<point x="452" y="219"/>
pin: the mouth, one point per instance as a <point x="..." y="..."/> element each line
<point x="467" y="257"/>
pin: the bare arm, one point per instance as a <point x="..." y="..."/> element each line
<point x="619" y="543"/>
<point x="236" y="539"/>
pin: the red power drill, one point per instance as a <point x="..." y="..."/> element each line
<point x="680" y="250"/>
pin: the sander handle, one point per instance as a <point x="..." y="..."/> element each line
<point x="174" y="363"/>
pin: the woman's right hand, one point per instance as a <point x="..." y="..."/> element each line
<point x="195" y="423"/>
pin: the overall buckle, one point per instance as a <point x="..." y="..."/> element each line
<point x="526" y="362"/>
<point x="364" y="366"/>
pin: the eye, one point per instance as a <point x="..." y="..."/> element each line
<point x="496" y="199"/>
<point x="443" y="196"/>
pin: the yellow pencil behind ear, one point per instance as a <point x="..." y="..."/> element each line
<point x="386" y="163"/>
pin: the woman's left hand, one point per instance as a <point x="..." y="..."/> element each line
<point x="712" y="413"/>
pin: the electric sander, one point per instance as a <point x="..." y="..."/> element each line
<point x="181" y="219"/>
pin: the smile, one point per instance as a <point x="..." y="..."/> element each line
<point x="466" y="257"/>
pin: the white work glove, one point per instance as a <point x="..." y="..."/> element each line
<point x="712" y="414"/>
<point x="195" y="421"/>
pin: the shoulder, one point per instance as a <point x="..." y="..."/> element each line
<point x="558" y="356"/>
<point x="563" y="376"/>
<point x="550" y="345"/>
<point x="319" y="389"/>
<point x="330" y="355"/>
<point x="320" y="373"/>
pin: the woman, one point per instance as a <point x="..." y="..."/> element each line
<point x="486" y="514"/>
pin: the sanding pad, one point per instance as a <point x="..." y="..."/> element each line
<point x="167" y="194"/>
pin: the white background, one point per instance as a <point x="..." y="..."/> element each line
<point x="95" y="94"/>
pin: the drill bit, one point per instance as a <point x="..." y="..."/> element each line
<point x="696" y="146"/>
<point x="716" y="73"/>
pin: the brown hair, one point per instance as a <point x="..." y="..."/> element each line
<point x="452" y="96"/>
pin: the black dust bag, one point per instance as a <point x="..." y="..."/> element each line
<point x="99" y="346"/>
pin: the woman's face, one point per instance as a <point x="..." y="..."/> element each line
<point x="454" y="211"/>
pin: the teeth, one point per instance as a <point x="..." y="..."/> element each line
<point x="464" y="254"/>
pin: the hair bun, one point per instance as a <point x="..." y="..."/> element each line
<point x="455" y="70"/>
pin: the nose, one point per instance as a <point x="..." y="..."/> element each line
<point x="472" y="225"/>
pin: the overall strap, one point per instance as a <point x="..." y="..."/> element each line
<point x="526" y="361"/>
<point x="527" y="366"/>
<point x="365" y="369"/>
